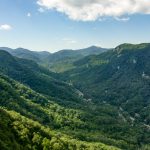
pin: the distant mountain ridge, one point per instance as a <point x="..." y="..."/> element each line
<point x="23" y="53"/>
<point x="27" y="54"/>
<point x="52" y="60"/>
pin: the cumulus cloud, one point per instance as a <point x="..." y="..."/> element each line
<point x="90" y="10"/>
<point x="5" y="27"/>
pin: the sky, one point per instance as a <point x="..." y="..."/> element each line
<point x="53" y="25"/>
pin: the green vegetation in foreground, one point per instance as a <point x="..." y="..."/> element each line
<point x="100" y="124"/>
<point x="41" y="130"/>
<point x="18" y="132"/>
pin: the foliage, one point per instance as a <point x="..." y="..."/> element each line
<point x="104" y="99"/>
<point x="18" y="132"/>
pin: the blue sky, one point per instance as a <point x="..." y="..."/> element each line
<point x="23" y="25"/>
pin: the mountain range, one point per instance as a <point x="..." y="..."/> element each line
<point x="57" y="60"/>
<point x="88" y="99"/>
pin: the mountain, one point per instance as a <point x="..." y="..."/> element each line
<point x="101" y="103"/>
<point x="26" y="114"/>
<point x="59" y="61"/>
<point x="29" y="120"/>
<point x="92" y="50"/>
<point x="27" y="54"/>
<point x="120" y="77"/>
<point x="63" y="60"/>
<point x="36" y="77"/>
<point x="60" y="55"/>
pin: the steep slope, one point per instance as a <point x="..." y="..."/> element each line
<point x="120" y="77"/>
<point x="21" y="133"/>
<point x="38" y="78"/>
<point x="88" y="122"/>
<point x="104" y="108"/>
<point x="25" y="132"/>
<point x="92" y="125"/>
<point x="24" y="114"/>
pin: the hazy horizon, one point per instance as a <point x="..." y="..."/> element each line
<point x="57" y="50"/>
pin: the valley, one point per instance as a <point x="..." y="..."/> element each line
<point x="86" y="99"/>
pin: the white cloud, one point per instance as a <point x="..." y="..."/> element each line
<point x="5" y="27"/>
<point x="90" y="10"/>
<point x="28" y="14"/>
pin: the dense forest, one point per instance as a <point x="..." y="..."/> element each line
<point x="77" y="100"/>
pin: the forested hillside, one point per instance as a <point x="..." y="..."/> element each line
<point x="102" y="103"/>
<point x="39" y="123"/>
<point x="36" y="77"/>
<point x="120" y="77"/>
<point x="18" y="132"/>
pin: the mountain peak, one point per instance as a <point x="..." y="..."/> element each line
<point x="93" y="46"/>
